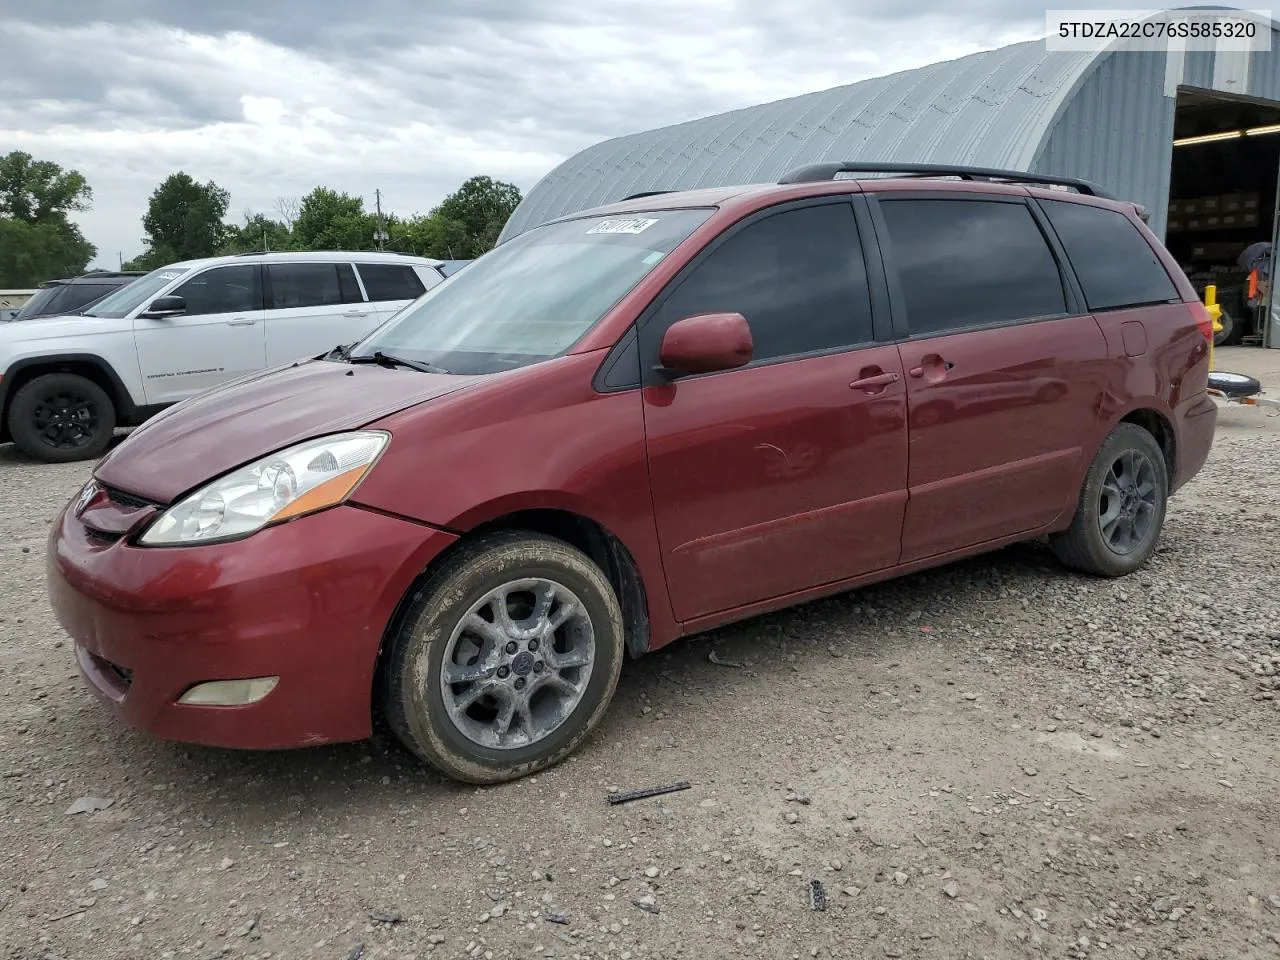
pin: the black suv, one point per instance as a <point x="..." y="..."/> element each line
<point x="62" y="297"/>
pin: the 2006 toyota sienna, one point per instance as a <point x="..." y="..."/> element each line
<point x="626" y="426"/>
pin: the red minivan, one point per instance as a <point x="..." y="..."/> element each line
<point x="626" y="426"/>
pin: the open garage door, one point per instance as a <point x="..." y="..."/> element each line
<point x="1223" y="187"/>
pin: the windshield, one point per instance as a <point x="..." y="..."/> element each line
<point x="125" y="300"/>
<point x="534" y="297"/>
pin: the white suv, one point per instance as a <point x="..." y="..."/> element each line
<point x="66" y="383"/>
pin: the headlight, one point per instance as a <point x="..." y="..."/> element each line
<point x="296" y="481"/>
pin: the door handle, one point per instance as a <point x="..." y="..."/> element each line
<point x="930" y="364"/>
<point x="869" y="383"/>
<point x="241" y="322"/>
<point x="356" y="313"/>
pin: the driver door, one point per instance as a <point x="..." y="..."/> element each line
<point x="220" y="336"/>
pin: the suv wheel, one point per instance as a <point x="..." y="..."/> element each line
<point x="505" y="659"/>
<point x="61" y="417"/>
<point x="1122" y="507"/>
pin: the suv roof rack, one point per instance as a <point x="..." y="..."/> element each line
<point x="818" y="172"/>
<point x="323" y="253"/>
<point x="645" y="193"/>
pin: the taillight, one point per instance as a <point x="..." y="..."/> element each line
<point x="1203" y="320"/>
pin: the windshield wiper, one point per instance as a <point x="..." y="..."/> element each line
<point x="386" y="360"/>
<point x="341" y="352"/>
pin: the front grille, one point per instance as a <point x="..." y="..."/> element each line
<point x="102" y="536"/>
<point x="120" y="498"/>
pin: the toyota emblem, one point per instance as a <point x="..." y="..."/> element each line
<point x="86" y="495"/>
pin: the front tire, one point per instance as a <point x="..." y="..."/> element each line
<point x="505" y="659"/>
<point x="1121" y="509"/>
<point x="62" y="417"/>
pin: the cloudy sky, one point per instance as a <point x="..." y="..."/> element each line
<point x="271" y="98"/>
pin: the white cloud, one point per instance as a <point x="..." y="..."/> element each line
<point x="129" y="103"/>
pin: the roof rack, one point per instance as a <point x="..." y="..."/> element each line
<point x="818" y="172"/>
<point x="645" y="193"/>
<point x="326" y="253"/>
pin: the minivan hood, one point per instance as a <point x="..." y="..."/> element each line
<point x="207" y="435"/>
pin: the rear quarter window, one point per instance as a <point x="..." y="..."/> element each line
<point x="1114" y="262"/>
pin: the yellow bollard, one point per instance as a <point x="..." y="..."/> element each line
<point x="1215" y="311"/>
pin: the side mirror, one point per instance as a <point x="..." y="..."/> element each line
<point x="162" y="308"/>
<point x="707" y="343"/>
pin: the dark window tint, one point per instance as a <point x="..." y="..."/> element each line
<point x="968" y="262"/>
<point x="64" y="298"/>
<point x="312" y="285"/>
<point x="1114" y="262"/>
<point x="222" y="290"/>
<point x="77" y="295"/>
<point x="387" y="281"/>
<point x="797" y="277"/>
<point x="42" y="303"/>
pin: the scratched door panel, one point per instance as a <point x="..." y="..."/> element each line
<point x="774" y="479"/>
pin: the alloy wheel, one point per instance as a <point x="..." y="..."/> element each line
<point x="518" y="663"/>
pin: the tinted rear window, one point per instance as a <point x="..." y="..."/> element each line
<point x="1115" y="264"/>
<point x="966" y="263"/>
<point x="389" y="281"/>
<point x="312" y="285"/>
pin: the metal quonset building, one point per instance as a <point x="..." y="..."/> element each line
<point x="1110" y="117"/>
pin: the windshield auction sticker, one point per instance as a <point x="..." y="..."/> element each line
<point x="633" y="225"/>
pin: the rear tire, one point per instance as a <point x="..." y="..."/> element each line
<point x="1121" y="508"/>
<point x="532" y="632"/>
<point x="61" y="418"/>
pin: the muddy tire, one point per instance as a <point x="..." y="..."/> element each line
<point x="505" y="659"/>
<point x="1121" y="508"/>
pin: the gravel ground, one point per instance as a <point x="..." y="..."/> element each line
<point x="993" y="760"/>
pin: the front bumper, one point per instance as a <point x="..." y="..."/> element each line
<point x="307" y="601"/>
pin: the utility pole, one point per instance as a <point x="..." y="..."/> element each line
<point x="120" y="255"/>
<point x="379" y="233"/>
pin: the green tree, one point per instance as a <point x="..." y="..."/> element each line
<point x="31" y="253"/>
<point x="40" y="191"/>
<point x="328" y="220"/>
<point x="482" y="205"/>
<point x="258" y="233"/>
<point x="429" y="236"/>
<point x="38" y="242"/>
<point x="147" y="260"/>
<point x="184" y="220"/>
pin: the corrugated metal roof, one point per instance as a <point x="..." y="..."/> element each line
<point x="988" y="109"/>
<point x="1097" y="115"/>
